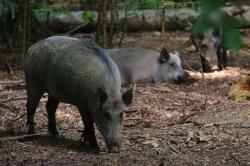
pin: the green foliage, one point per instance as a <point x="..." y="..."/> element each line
<point x="88" y="16"/>
<point x="149" y="4"/>
<point x="230" y="36"/>
<point x="181" y="3"/>
<point x="141" y="4"/>
<point x="212" y="5"/>
<point x="50" y="8"/>
<point x="40" y="7"/>
<point x="227" y="25"/>
<point x="156" y="4"/>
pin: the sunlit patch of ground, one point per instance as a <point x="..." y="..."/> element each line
<point x="230" y="72"/>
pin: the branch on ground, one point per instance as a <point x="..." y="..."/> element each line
<point x="22" y="137"/>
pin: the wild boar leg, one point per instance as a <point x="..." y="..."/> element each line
<point x="51" y="107"/>
<point x="89" y="131"/>
<point x="34" y="97"/>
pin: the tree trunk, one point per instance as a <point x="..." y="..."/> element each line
<point x="112" y="20"/>
<point x="25" y="27"/>
<point x="104" y="24"/>
<point x="123" y="26"/>
<point x="99" y="23"/>
<point x="162" y="26"/>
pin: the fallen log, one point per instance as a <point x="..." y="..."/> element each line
<point x="142" y="20"/>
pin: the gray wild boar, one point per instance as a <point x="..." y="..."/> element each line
<point x="213" y="52"/>
<point x="78" y="72"/>
<point x="139" y="65"/>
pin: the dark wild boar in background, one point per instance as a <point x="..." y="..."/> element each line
<point x="80" y="73"/>
<point x="213" y="53"/>
<point x="139" y="65"/>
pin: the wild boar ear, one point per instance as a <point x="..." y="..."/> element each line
<point x="103" y="95"/>
<point x="127" y="97"/>
<point x="164" y="55"/>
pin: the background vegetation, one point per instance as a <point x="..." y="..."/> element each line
<point x="19" y="27"/>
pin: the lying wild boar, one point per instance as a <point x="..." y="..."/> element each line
<point x="80" y="73"/>
<point x="139" y="65"/>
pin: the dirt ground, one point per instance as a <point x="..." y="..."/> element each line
<point x="165" y="125"/>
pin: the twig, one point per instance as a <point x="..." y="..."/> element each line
<point x="142" y="84"/>
<point x="65" y="163"/>
<point x="129" y="124"/>
<point x="10" y="82"/>
<point x="9" y="68"/>
<point x="76" y="28"/>
<point x="132" y="118"/>
<point x="184" y="44"/>
<point x="5" y="116"/>
<point x="136" y="123"/>
<point x="16" y="86"/>
<point x="205" y="88"/>
<point x="184" y="118"/>
<point x="134" y="88"/>
<point x="130" y="110"/>
<point x="178" y="122"/>
<point x="22" y="137"/>
<point x="190" y="99"/>
<point x="80" y="131"/>
<point x="174" y="149"/>
<point x="203" y="79"/>
<point x="16" y="119"/>
<point x="46" y="160"/>
<point x="165" y="89"/>
<point x="21" y="98"/>
<point x="7" y="107"/>
<point x="13" y="99"/>
<point x="192" y="69"/>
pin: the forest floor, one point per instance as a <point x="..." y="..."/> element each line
<point x="165" y="125"/>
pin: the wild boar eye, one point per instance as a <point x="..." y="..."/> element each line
<point x="172" y="64"/>
<point x="107" y="116"/>
<point x="203" y="46"/>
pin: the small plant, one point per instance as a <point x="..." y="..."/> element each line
<point x="88" y="16"/>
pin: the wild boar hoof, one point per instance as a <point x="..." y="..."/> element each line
<point x="30" y="130"/>
<point x="114" y="150"/>
<point x="96" y="150"/>
<point x="91" y="148"/>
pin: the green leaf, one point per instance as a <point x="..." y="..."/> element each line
<point x="232" y="39"/>
<point x="201" y="26"/>
<point x="230" y="36"/>
<point x="51" y="8"/>
<point x="211" y="5"/>
<point x="88" y="16"/>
